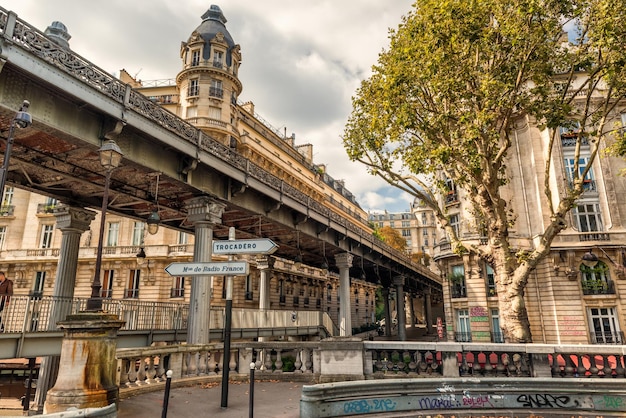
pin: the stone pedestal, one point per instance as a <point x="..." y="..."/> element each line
<point x="87" y="376"/>
<point x="341" y="359"/>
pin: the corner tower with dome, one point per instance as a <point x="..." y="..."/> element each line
<point x="208" y="82"/>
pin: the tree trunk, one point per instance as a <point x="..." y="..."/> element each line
<point x="513" y="314"/>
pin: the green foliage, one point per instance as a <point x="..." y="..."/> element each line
<point x="288" y="363"/>
<point x="380" y="304"/>
<point x="457" y="80"/>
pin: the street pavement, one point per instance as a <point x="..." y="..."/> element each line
<point x="271" y="399"/>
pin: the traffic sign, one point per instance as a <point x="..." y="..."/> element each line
<point x="227" y="268"/>
<point x="245" y="246"/>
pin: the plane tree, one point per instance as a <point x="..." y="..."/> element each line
<point x="440" y="108"/>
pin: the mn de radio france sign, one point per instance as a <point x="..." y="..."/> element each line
<point x="245" y="246"/>
<point x="227" y="268"/>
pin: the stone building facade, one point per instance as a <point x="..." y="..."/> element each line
<point x="575" y="294"/>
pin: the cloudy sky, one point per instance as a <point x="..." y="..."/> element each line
<point x="302" y="60"/>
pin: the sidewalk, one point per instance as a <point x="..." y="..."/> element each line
<point x="271" y="399"/>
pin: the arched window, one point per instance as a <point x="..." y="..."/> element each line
<point x="596" y="280"/>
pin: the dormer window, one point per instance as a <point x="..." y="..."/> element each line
<point x="195" y="58"/>
<point x="218" y="59"/>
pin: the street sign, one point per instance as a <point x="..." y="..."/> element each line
<point x="245" y="246"/>
<point x="226" y="268"/>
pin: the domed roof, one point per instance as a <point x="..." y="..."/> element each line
<point x="57" y="31"/>
<point x="213" y="23"/>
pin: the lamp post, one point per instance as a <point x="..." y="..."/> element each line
<point x="22" y="119"/>
<point x="110" y="158"/>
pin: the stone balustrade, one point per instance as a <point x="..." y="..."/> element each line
<point x="144" y="366"/>
<point x="350" y="358"/>
<point x="347" y="376"/>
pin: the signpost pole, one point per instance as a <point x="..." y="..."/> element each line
<point x="227" y="327"/>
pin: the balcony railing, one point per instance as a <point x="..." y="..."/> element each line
<point x="607" y="338"/>
<point x="176" y="292"/>
<point x="45" y="208"/>
<point x="216" y="92"/>
<point x="458" y="290"/>
<point x="594" y="236"/>
<point x="463" y="337"/>
<point x="598" y="287"/>
<point x="43" y="252"/>
<point x="7" y="210"/>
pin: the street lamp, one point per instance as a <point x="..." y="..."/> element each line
<point x="110" y="158"/>
<point x="153" y="222"/>
<point x="589" y="259"/>
<point x="22" y="119"/>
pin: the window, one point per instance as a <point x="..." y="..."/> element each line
<point x="178" y="287"/>
<point x="40" y="278"/>
<point x="107" y="284"/>
<point x="457" y="282"/>
<point x="218" y="59"/>
<point x="589" y="183"/>
<point x="406" y="224"/>
<point x="595" y="280"/>
<point x="132" y="290"/>
<point x="281" y="292"/>
<point x="406" y="232"/>
<point x="392" y="224"/>
<point x="463" y="331"/>
<point x="587" y="216"/>
<point x="193" y="88"/>
<point x="8" y="195"/>
<point x="3" y="235"/>
<point x="248" y="287"/>
<point x="138" y="233"/>
<point x="46" y="236"/>
<point x="215" y="112"/>
<point x="451" y="196"/>
<point x="455" y="224"/>
<point x="604" y="326"/>
<point x="569" y="134"/>
<point x="496" y="332"/>
<point x="490" y="280"/>
<point x="195" y="57"/>
<point x="215" y="90"/>
<point x="113" y="234"/>
<point x="191" y="112"/>
<point x="183" y="238"/>
<point x="423" y="218"/>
